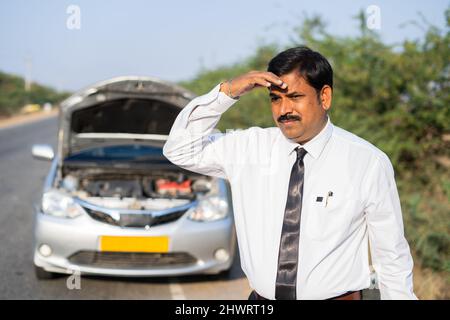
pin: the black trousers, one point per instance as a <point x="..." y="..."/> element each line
<point x="254" y="296"/>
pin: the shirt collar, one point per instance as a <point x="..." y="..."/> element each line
<point x="315" y="146"/>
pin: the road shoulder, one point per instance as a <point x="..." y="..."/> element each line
<point x="26" y="118"/>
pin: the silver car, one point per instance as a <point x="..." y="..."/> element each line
<point x="113" y="205"/>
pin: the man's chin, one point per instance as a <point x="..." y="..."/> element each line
<point x="291" y="134"/>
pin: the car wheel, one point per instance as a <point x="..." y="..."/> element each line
<point x="41" y="274"/>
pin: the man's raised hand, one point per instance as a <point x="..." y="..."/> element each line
<point x="245" y="83"/>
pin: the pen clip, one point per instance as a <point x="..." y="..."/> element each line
<point x="330" y="194"/>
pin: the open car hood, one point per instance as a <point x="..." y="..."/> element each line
<point x="123" y="110"/>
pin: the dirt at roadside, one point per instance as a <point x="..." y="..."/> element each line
<point x="25" y="118"/>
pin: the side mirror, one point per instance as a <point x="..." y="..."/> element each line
<point x="42" y="151"/>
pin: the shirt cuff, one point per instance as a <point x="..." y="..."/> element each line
<point x="217" y="100"/>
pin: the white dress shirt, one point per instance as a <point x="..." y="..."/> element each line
<point x="334" y="233"/>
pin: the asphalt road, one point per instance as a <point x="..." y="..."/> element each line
<point x="21" y="180"/>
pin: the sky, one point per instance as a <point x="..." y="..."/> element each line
<point x="173" y="40"/>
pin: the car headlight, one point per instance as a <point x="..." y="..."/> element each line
<point x="209" y="209"/>
<point x="59" y="205"/>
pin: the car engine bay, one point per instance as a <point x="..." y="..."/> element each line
<point x="156" y="191"/>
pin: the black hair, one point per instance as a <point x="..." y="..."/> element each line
<point x="311" y="65"/>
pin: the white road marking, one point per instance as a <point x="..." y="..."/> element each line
<point x="176" y="290"/>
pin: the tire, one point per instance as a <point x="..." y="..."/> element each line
<point x="41" y="274"/>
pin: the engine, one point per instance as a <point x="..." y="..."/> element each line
<point x="162" y="186"/>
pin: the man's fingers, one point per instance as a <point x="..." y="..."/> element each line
<point x="272" y="78"/>
<point x="262" y="82"/>
<point x="247" y="82"/>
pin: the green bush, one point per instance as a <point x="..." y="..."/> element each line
<point x="13" y="95"/>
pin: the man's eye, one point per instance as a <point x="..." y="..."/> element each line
<point x="274" y="98"/>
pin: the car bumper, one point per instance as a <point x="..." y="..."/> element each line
<point x="67" y="237"/>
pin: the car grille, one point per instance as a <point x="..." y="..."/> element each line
<point x="134" y="220"/>
<point x="131" y="260"/>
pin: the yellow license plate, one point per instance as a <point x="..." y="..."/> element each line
<point x="134" y="244"/>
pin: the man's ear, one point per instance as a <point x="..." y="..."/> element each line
<point x="326" y="95"/>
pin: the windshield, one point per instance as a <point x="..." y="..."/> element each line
<point x="125" y="153"/>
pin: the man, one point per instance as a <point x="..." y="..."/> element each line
<point x="307" y="195"/>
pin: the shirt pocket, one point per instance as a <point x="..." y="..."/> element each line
<point x="332" y="219"/>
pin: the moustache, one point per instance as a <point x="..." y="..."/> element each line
<point x="288" y="117"/>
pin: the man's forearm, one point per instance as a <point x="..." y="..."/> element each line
<point x="187" y="145"/>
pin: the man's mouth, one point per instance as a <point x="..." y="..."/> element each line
<point x="288" y="121"/>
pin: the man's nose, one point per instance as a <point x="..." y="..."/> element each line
<point x="286" y="107"/>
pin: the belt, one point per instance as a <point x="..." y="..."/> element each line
<point x="351" y="295"/>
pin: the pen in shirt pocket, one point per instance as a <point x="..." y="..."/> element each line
<point x="329" y="194"/>
<point x="325" y="203"/>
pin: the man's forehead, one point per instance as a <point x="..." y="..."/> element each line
<point x="274" y="89"/>
<point x="287" y="91"/>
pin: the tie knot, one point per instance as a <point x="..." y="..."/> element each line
<point x="301" y="152"/>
